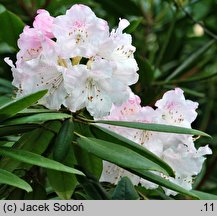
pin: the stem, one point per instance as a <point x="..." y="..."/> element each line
<point x="46" y="3"/>
<point x="209" y="106"/>
<point x="208" y="173"/>
<point x="79" y="135"/>
<point x="169" y="34"/>
<point x="86" y="120"/>
<point x="206" y="30"/>
<point x="26" y="9"/>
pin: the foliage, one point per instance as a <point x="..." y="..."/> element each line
<point x="61" y="154"/>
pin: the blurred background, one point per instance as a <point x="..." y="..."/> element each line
<point x="175" y="44"/>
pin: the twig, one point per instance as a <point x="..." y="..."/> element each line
<point x="26" y="9"/>
<point x="46" y="3"/>
<point x="206" y="30"/>
<point x="209" y="171"/>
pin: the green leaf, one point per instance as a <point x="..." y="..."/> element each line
<point x="63" y="140"/>
<point x="119" y="9"/>
<point x="125" y="190"/>
<point x="11" y="26"/>
<point x="5" y="83"/>
<point x="35" y="159"/>
<point x="92" y="187"/>
<point x="32" y="111"/>
<point x="36" y="141"/>
<point x="4" y="100"/>
<point x="117" y="154"/>
<point x="63" y="183"/>
<point x="37" y="118"/>
<point x="204" y="196"/>
<point x="162" y="182"/>
<point x="133" y="25"/>
<point x="14" y="129"/>
<point x="191" y="59"/>
<point x="155" y="127"/>
<point x="108" y="135"/>
<point x="38" y="193"/>
<point x="13" y="180"/>
<point x="16" y="106"/>
<point x="89" y="162"/>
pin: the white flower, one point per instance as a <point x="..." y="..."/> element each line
<point x="177" y="150"/>
<point x="79" y="32"/>
<point x="39" y="74"/>
<point x="97" y="88"/>
<point x="119" y="50"/>
<point x="173" y="109"/>
<point x="33" y="41"/>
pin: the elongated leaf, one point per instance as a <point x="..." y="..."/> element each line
<point x="155" y="127"/>
<point x="16" y="106"/>
<point x="13" y="180"/>
<point x="4" y="100"/>
<point x="14" y="129"/>
<point x="11" y="26"/>
<point x="117" y="154"/>
<point x="32" y="111"/>
<point x="37" y="118"/>
<point x="63" y="140"/>
<point x="108" y="135"/>
<point x="35" y="141"/>
<point x="204" y="196"/>
<point x="87" y="161"/>
<point x="5" y="83"/>
<point x="92" y="187"/>
<point x="191" y="59"/>
<point x="38" y="193"/>
<point x="163" y="182"/>
<point x="35" y="159"/>
<point x="63" y="183"/>
<point x="133" y="25"/>
<point x="125" y="190"/>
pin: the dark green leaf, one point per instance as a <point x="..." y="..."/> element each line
<point x="204" y="196"/>
<point x="89" y="162"/>
<point x="35" y="159"/>
<point x="108" y="135"/>
<point x="13" y="180"/>
<point x="16" y="106"/>
<point x="117" y="154"/>
<point x="63" y="183"/>
<point x="162" y="182"/>
<point x="155" y="127"/>
<point x="14" y="129"/>
<point x="191" y="59"/>
<point x="133" y="25"/>
<point x="92" y="187"/>
<point x="37" y="118"/>
<point x="63" y="140"/>
<point x="36" y="141"/>
<point x="11" y="26"/>
<point x="38" y="193"/>
<point x="125" y="190"/>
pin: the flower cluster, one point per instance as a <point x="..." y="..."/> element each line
<point x="84" y="65"/>
<point x="77" y="59"/>
<point x="176" y="149"/>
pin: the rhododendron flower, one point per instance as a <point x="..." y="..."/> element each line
<point x="79" y="32"/>
<point x="119" y="50"/>
<point x="62" y="54"/>
<point x="40" y="74"/>
<point x="175" y="149"/>
<point x="34" y="40"/>
<point x="175" y="110"/>
<point x="97" y="88"/>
